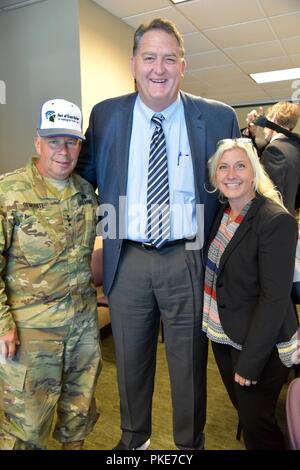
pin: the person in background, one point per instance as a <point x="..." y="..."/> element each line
<point x="49" y="344"/>
<point x="248" y="312"/>
<point x="148" y="272"/>
<point x="250" y="130"/>
<point x="281" y="157"/>
<point x="280" y="154"/>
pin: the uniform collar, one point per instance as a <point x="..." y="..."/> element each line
<point x="44" y="188"/>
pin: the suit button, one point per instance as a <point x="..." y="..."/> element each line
<point x="222" y="306"/>
<point x="219" y="284"/>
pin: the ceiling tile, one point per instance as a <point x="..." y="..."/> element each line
<point x="196" y="42"/>
<point x="286" y="25"/>
<point x="196" y="90"/>
<point x="231" y="87"/>
<point x="237" y="99"/>
<point x="246" y="97"/>
<point x="241" y="34"/>
<point x="214" y="13"/>
<point x="283" y="90"/>
<point x="266" y="65"/>
<point x="206" y="59"/>
<point x="122" y="8"/>
<point x="190" y="85"/>
<point x="204" y="90"/>
<point x="278" y="7"/>
<point x="279" y="95"/>
<point x="291" y="45"/>
<point x="249" y="52"/>
<point x="170" y="13"/>
<point x="189" y="75"/>
<point x="295" y="60"/>
<point x="222" y="75"/>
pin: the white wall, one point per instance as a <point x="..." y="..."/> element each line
<point x="39" y="60"/>
<point x="105" y="51"/>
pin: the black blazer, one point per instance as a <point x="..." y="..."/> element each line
<point x="254" y="283"/>
<point x="281" y="160"/>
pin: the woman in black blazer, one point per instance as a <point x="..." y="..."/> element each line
<point x="248" y="314"/>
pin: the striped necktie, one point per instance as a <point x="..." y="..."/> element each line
<point x="158" y="200"/>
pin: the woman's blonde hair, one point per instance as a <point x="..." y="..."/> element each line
<point x="262" y="184"/>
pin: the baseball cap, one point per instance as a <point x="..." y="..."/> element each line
<point x="59" y="117"/>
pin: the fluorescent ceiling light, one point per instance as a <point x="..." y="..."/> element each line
<point x="179" y="1"/>
<point x="276" y="75"/>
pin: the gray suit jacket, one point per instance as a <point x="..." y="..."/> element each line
<point x="105" y="153"/>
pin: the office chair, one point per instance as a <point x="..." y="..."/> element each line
<point x="293" y="413"/>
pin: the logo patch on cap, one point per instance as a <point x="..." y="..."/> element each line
<point x="50" y="115"/>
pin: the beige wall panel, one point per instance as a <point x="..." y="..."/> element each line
<point x="105" y="51"/>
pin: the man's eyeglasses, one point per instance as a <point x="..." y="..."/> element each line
<point x="239" y="140"/>
<point x="56" y="143"/>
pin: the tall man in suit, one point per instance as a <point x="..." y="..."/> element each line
<point x="144" y="278"/>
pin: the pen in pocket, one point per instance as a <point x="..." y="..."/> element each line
<point x="181" y="155"/>
<point x="178" y="158"/>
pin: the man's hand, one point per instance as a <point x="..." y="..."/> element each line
<point x="251" y="117"/>
<point x="9" y="343"/>
<point x="242" y="381"/>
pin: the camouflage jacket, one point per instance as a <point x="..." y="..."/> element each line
<point x="46" y="240"/>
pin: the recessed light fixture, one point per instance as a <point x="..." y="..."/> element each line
<point x="276" y="75"/>
<point x="179" y="1"/>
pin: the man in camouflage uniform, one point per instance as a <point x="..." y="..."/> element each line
<point x="49" y="344"/>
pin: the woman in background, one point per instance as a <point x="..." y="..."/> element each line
<point x="248" y="313"/>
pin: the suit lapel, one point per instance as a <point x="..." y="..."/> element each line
<point x="242" y="230"/>
<point x="234" y="242"/>
<point x="122" y="139"/>
<point x="196" y="129"/>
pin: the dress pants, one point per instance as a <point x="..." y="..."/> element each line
<point x="150" y="284"/>
<point x="255" y="404"/>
